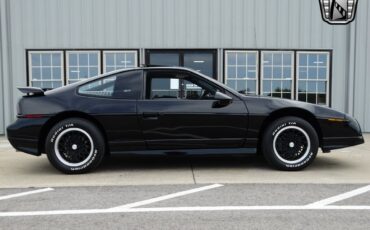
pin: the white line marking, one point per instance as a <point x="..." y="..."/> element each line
<point x="26" y="193"/>
<point x="166" y="197"/>
<point x="179" y="209"/>
<point x="340" y="197"/>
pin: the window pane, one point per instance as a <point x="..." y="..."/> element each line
<point x="322" y="74"/>
<point x="83" y="59"/>
<point x="303" y="59"/>
<point x="302" y="73"/>
<point x="36" y="73"/>
<point x="277" y="59"/>
<point x="252" y="58"/>
<point x="312" y="59"/>
<point x="242" y="72"/>
<point x="266" y="86"/>
<point x="46" y="59"/>
<point x="323" y="59"/>
<point x="73" y="60"/>
<point x="109" y="59"/>
<point x="311" y="98"/>
<point x="57" y="72"/>
<point x="94" y="71"/>
<point x="312" y="73"/>
<point x="277" y="72"/>
<point x="241" y="59"/>
<point x="251" y="72"/>
<point x="276" y="86"/>
<point x="302" y="85"/>
<point x="109" y="69"/>
<point x="231" y="72"/>
<point x="130" y="59"/>
<point x="287" y="72"/>
<point x="231" y="58"/>
<point x="73" y="73"/>
<point x="311" y="86"/>
<point x="267" y="59"/>
<point x="93" y="59"/>
<point x="287" y="95"/>
<point x="302" y="97"/>
<point x="321" y="87"/>
<point x="321" y="99"/>
<point x="120" y="59"/>
<point x="231" y="84"/>
<point x="267" y="72"/>
<point x="241" y="86"/>
<point x="36" y="59"/>
<point x="287" y="59"/>
<point x="56" y="59"/>
<point x="287" y="86"/>
<point x="46" y="73"/>
<point x="84" y="72"/>
<point x="251" y="86"/>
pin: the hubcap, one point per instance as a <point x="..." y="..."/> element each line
<point x="74" y="147"/>
<point x="291" y="144"/>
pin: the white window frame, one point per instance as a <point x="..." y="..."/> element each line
<point x="78" y="52"/>
<point x="135" y="52"/>
<point x="246" y="78"/>
<point x="327" y="79"/>
<point x="282" y="66"/>
<point x="29" y="53"/>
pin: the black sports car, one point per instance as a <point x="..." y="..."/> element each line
<point x="169" y="110"/>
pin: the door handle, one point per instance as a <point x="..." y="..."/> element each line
<point x="150" y="116"/>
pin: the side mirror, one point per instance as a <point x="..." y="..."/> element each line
<point x="222" y="100"/>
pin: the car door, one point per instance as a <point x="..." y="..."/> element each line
<point x="179" y="111"/>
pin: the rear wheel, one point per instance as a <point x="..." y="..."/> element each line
<point x="75" y="146"/>
<point x="290" y="143"/>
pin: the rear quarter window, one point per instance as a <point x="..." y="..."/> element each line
<point x="126" y="85"/>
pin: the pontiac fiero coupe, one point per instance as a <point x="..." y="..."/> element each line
<point x="171" y="110"/>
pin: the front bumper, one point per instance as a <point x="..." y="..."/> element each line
<point x="330" y="143"/>
<point x="24" y="135"/>
<point x="342" y="134"/>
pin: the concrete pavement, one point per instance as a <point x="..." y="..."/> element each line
<point x="19" y="170"/>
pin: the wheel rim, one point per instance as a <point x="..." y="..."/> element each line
<point x="74" y="147"/>
<point x="291" y="144"/>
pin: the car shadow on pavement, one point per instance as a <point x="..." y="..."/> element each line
<point x="117" y="162"/>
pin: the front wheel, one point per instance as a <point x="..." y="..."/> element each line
<point x="290" y="143"/>
<point x="75" y="146"/>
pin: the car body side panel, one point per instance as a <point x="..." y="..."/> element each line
<point x="193" y="124"/>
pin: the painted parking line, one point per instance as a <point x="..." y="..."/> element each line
<point x="340" y="197"/>
<point x="133" y="207"/>
<point x="179" y="209"/>
<point x="165" y="197"/>
<point x="25" y="193"/>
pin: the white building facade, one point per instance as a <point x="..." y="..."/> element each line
<point x="266" y="47"/>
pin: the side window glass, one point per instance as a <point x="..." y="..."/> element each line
<point x="163" y="87"/>
<point x="179" y="87"/>
<point x="125" y="85"/>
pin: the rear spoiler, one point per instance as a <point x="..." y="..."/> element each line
<point x="31" y="91"/>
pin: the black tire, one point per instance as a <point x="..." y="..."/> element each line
<point x="75" y="146"/>
<point x="290" y="143"/>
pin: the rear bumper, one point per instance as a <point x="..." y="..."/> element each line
<point x="24" y="135"/>
<point x="330" y="143"/>
<point x="26" y="145"/>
